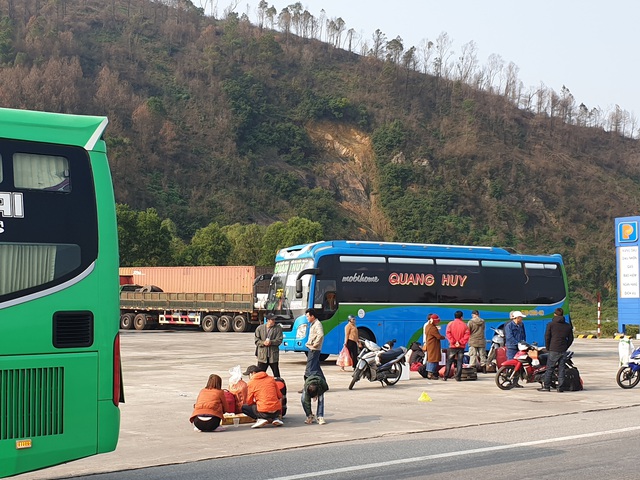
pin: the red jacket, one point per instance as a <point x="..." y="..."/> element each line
<point x="264" y="392"/>
<point x="210" y="401"/>
<point x="458" y="331"/>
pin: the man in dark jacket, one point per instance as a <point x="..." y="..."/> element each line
<point x="558" y="337"/>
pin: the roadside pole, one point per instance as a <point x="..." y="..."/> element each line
<point x="598" y="314"/>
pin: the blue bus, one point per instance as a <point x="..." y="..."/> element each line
<point x="392" y="287"/>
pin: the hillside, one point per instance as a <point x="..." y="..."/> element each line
<point x="222" y="121"/>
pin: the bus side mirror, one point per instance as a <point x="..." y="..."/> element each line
<point x="308" y="271"/>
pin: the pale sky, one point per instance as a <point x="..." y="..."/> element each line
<point x="589" y="46"/>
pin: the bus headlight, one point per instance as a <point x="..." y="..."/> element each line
<point x="301" y="332"/>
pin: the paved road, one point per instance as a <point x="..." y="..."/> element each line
<point x="579" y="446"/>
<point x="164" y="370"/>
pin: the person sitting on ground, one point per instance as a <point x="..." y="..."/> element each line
<point x="314" y="388"/>
<point x="264" y="398"/>
<point x="210" y="407"/>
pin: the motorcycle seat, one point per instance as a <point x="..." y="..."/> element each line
<point x="389" y="355"/>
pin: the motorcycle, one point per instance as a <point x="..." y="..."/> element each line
<point x="379" y="364"/>
<point x="497" y="341"/>
<point x="530" y="365"/>
<point x="629" y="374"/>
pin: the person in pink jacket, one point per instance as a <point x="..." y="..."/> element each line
<point x="458" y="335"/>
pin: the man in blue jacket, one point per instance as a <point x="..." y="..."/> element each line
<point x="513" y="333"/>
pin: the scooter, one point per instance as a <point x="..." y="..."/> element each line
<point x="496" y="342"/>
<point x="530" y="365"/>
<point x="629" y="374"/>
<point x="379" y="364"/>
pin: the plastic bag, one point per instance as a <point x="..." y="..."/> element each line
<point x="344" y="359"/>
<point x="625" y="347"/>
<point x="235" y="374"/>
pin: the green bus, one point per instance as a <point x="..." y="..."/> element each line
<point x="60" y="375"/>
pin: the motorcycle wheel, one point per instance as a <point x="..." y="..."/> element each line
<point x="627" y="378"/>
<point x="394" y="374"/>
<point x="357" y="373"/>
<point x="503" y="377"/>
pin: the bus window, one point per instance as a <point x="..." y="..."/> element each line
<point x="0" y="168"/>
<point x="412" y="280"/>
<point x="503" y="282"/>
<point x="35" y="265"/>
<point x="325" y="295"/>
<point x="545" y="283"/>
<point x="459" y="281"/>
<point x="41" y="172"/>
<point x="363" y="279"/>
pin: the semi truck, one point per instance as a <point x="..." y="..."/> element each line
<point x="213" y="298"/>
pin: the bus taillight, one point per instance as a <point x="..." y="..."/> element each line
<point x="117" y="372"/>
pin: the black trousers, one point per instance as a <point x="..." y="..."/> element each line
<point x="207" y="425"/>
<point x="454" y="355"/>
<point x="252" y="411"/>
<point x="353" y="352"/>
<point x="275" y="368"/>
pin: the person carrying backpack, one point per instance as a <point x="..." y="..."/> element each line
<point x="558" y="338"/>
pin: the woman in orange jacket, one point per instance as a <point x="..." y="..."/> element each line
<point x="210" y="407"/>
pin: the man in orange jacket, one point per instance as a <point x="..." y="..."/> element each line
<point x="264" y="398"/>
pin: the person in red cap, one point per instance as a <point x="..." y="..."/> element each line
<point x="432" y="345"/>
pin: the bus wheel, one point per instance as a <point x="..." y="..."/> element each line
<point x="209" y="323"/>
<point x="240" y="324"/>
<point x="323" y="356"/>
<point x="140" y="321"/>
<point x="224" y="323"/>
<point x="366" y="334"/>
<point x="126" y="321"/>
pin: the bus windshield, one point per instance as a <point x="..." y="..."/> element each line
<point x="281" y="298"/>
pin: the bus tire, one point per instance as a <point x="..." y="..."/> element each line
<point x="224" y="323"/>
<point x="323" y="356"/>
<point x="140" y="321"/>
<point x="209" y="323"/>
<point x="366" y="334"/>
<point x="126" y="321"/>
<point x="240" y="323"/>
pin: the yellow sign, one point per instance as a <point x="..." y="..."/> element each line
<point x="424" y="397"/>
<point x="22" y="444"/>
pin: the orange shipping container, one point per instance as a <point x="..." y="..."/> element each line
<point x="209" y="279"/>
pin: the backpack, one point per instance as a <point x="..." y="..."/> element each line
<point x="239" y="389"/>
<point x="283" y="389"/>
<point x="232" y="401"/>
<point x="572" y="380"/>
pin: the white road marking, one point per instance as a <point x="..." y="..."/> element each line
<point x="455" y="454"/>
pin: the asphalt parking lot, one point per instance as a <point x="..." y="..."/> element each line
<point x="164" y="370"/>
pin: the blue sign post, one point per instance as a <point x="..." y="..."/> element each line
<point x="628" y="270"/>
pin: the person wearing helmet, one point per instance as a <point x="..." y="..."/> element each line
<point x="514" y="333"/>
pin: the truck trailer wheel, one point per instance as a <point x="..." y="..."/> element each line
<point x="224" y="323"/>
<point x="126" y="321"/>
<point x="140" y="321"/>
<point x="240" y="324"/>
<point x="209" y="323"/>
